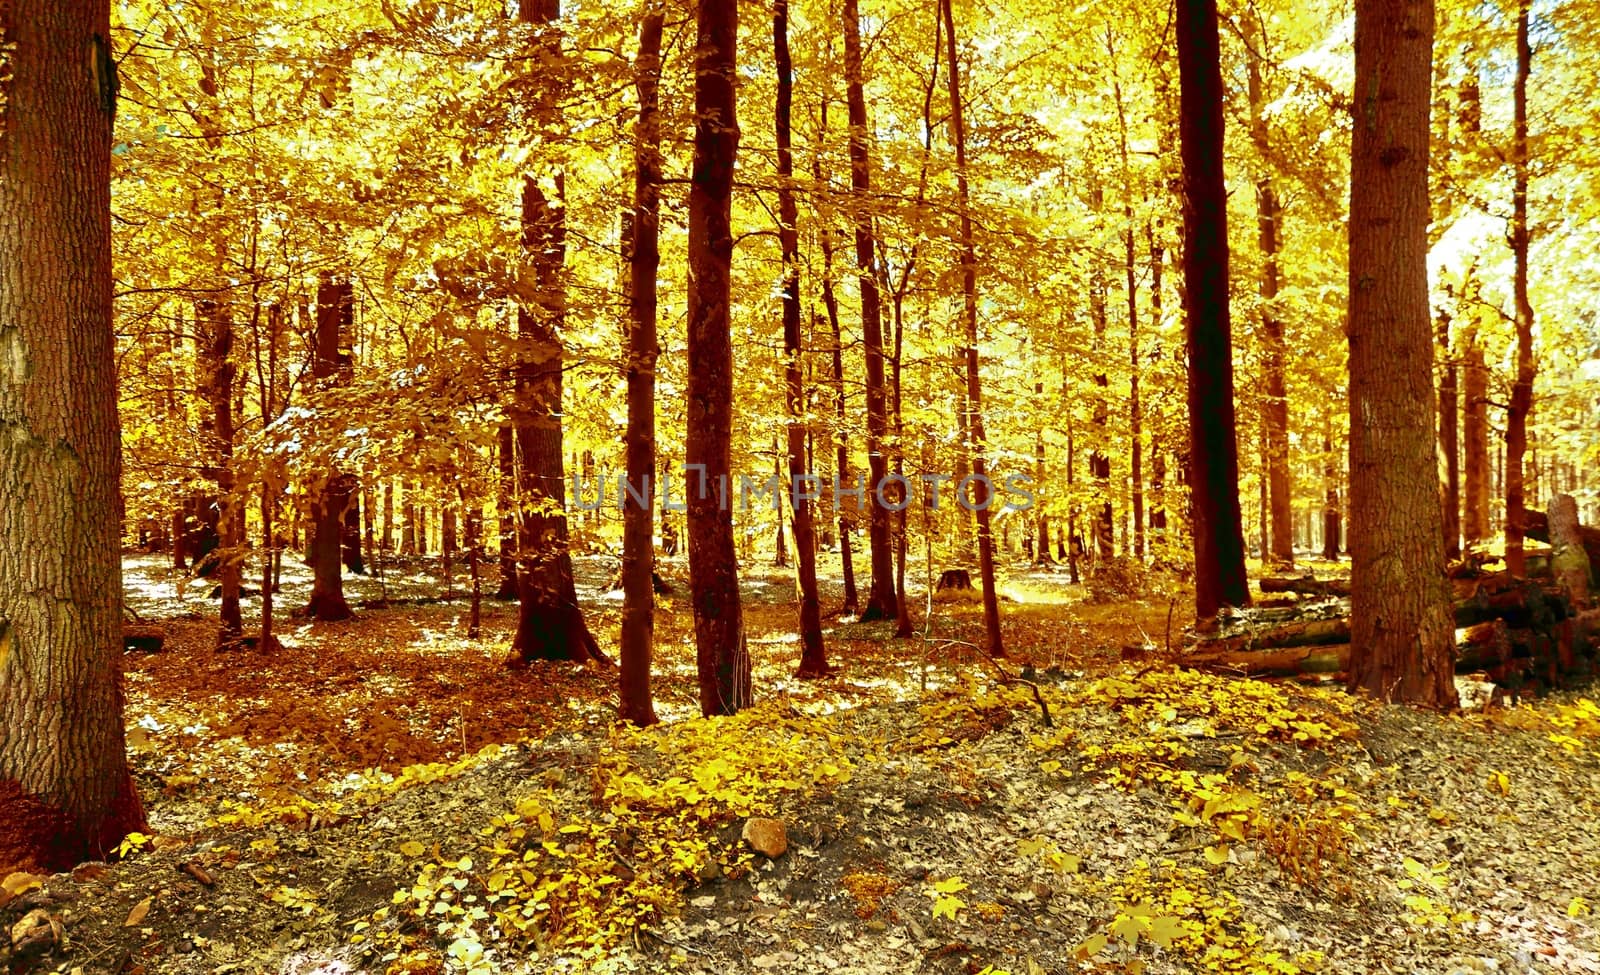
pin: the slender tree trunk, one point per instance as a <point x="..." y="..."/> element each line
<point x="635" y="703"/>
<point x="1449" y="440"/>
<point x="985" y="495"/>
<point x="409" y="511"/>
<point x="1402" y="635"/>
<point x="506" y="506"/>
<point x="1213" y="450"/>
<point x="881" y="597"/>
<point x="830" y="303"/>
<point x="1041" y="552"/>
<point x="813" y="655"/>
<point x="1158" y="460"/>
<point x="386" y="539"/>
<point x="218" y="371"/>
<point x="1269" y="230"/>
<point x="721" y="656"/>
<point x="334" y="310"/>
<point x="1099" y="461"/>
<point x="65" y="792"/>
<point x="1522" y="386"/>
<point x="1330" y="510"/>
<point x="1475" y="441"/>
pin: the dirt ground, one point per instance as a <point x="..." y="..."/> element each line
<point x="384" y="796"/>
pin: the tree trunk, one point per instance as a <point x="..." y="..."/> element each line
<point x="1522" y="385"/>
<point x="1213" y="450"/>
<point x="634" y="700"/>
<point x="1269" y="229"/>
<point x="335" y="308"/>
<point x="65" y="792"/>
<point x="881" y="597"/>
<point x="217" y="372"/>
<point x="506" y="505"/>
<point x="813" y="655"/>
<point x="1402" y="639"/>
<point x="1449" y="445"/>
<point x="984" y="501"/>
<point x="386" y="540"/>
<point x="550" y="624"/>
<point x="1099" y="461"/>
<point x="830" y="303"/>
<point x="1158" y="459"/>
<point x="1568" y="559"/>
<point x="721" y="656"/>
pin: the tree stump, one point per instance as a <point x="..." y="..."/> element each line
<point x="954" y="579"/>
<point x="1569" y="562"/>
<point x="142" y="637"/>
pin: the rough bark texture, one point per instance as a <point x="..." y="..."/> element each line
<point x="984" y="500"/>
<point x="721" y="656"/>
<point x="881" y="601"/>
<point x="335" y="308"/>
<point x="813" y="655"/>
<point x="1522" y="384"/>
<point x="65" y="792"/>
<point x="1213" y="450"/>
<point x="1400" y="602"/>
<point x="1569" y="562"/>
<point x="1449" y="441"/>
<point x="550" y="624"/>
<point x="635" y="703"/>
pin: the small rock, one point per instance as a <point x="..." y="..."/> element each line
<point x="766" y="836"/>
<point x="36" y="933"/>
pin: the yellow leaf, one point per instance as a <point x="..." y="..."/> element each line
<point x="1217" y="854"/>
<point x="1029" y="847"/>
<point x="950" y="885"/>
<point x="412" y="848"/>
<point x="947" y="907"/>
<point x="1500" y="782"/>
<point x="137" y="915"/>
<point x="1164" y="930"/>
<point x="1578" y="908"/>
<point x="1091" y="946"/>
<point x="1050" y="766"/>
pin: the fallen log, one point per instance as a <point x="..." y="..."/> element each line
<point x="1481" y="648"/>
<point x="1296" y="633"/>
<point x="1306" y="585"/>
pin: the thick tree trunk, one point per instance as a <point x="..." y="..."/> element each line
<point x="722" y="659"/>
<point x="1213" y="450"/>
<point x="550" y="624"/>
<point x="65" y="792"/>
<point x="635" y="703"/>
<point x="1400" y="603"/>
<point x="335" y="309"/>
<point x="1568" y="560"/>
<point x="978" y="446"/>
<point x="1522" y="385"/>
<point x="881" y="597"/>
<point x="813" y="655"/>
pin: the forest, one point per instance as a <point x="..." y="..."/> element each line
<point x="860" y="486"/>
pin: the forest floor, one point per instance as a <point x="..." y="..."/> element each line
<point x="385" y="796"/>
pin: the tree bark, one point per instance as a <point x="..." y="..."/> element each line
<point x="217" y="372"/>
<point x="1449" y="441"/>
<point x="1402" y="639"/>
<point x="830" y="304"/>
<point x="550" y="624"/>
<point x="721" y="657"/>
<point x="1568" y="559"/>
<point x="1474" y="442"/>
<point x="1275" y="409"/>
<point x="335" y="309"/>
<point x="978" y="445"/>
<point x="635" y="703"/>
<point x="813" y="655"/>
<point x="1213" y="450"/>
<point x="65" y="792"/>
<point x="1522" y="385"/>
<point x="881" y="597"/>
<point x="506" y="506"/>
